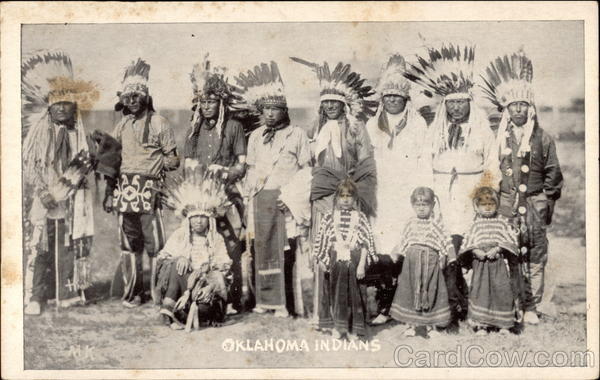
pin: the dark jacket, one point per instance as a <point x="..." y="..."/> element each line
<point x="539" y="171"/>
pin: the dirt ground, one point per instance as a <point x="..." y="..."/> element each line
<point x="103" y="334"/>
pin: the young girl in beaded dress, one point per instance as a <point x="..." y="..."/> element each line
<point x="492" y="244"/>
<point x="421" y="298"/>
<point x="343" y="248"/>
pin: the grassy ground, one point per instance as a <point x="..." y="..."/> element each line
<point x="105" y="335"/>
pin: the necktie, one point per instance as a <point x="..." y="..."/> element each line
<point x="455" y="136"/>
<point x="269" y="133"/>
<point x="62" y="149"/>
<point x="396" y="131"/>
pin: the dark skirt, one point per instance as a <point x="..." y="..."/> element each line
<point x="421" y="297"/>
<point x="348" y="297"/>
<point x="491" y="300"/>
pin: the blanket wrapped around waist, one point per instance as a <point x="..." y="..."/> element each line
<point x="364" y="175"/>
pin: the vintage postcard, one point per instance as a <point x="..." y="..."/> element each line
<point x="299" y="190"/>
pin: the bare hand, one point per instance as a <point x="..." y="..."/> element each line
<point x="182" y="265"/>
<point x="215" y="167"/>
<point x="443" y="261"/>
<point x="360" y="271"/>
<point x="205" y="293"/>
<point x="493" y="253"/>
<point x="182" y="301"/>
<point x="281" y="206"/>
<point x="225" y="267"/>
<point x="108" y="204"/>
<point x="480" y="254"/>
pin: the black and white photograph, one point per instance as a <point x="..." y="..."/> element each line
<point x="276" y="194"/>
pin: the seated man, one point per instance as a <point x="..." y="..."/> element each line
<point x="194" y="262"/>
<point x="194" y="267"/>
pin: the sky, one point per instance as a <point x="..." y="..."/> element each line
<point x="100" y="52"/>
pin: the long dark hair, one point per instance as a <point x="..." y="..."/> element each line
<point x="347" y="184"/>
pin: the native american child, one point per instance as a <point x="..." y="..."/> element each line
<point x="462" y="144"/>
<point x="421" y="297"/>
<point x="340" y="148"/>
<point x="531" y="177"/>
<point x="194" y="280"/>
<point x="148" y="151"/>
<point x="342" y="245"/>
<point x="57" y="164"/>
<point x="215" y="138"/>
<point x="399" y="137"/>
<point x="277" y="189"/>
<point x="492" y="243"/>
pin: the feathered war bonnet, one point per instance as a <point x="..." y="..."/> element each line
<point x="210" y="82"/>
<point x="509" y="80"/>
<point x="446" y="71"/>
<point x="135" y="78"/>
<point x="135" y="81"/>
<point x="47" y="78"/>
<point x="392" y="80"/>
<point x="346" y="86"/>
<point x="261" y="87"/>
<point x="201" y="192"/>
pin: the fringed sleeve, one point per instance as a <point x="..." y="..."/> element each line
<point x="490" y="232"/>
<point x="365" y="238"/>
<point x="324" y="238"/>
<point x="404" y="243"/>
<point x="443" y="240"/>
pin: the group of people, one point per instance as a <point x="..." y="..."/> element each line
<point x="377" y="193"/>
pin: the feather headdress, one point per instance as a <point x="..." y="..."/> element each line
<point x="135" y="78"/>
<point x="202" y="192"/>
<point x="261" y="87"/>
<point x="47" y="78"/>
<point x="509" y="80"/>
<point x="209" y="81"/>
<point x="444" y="71"/>
<point x="392" y="80"/>
<point x="344" y="85"/>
